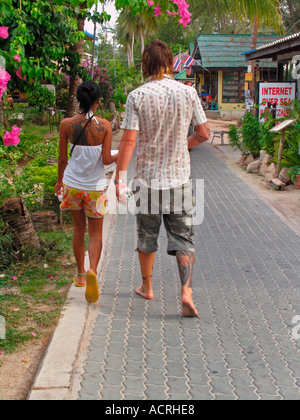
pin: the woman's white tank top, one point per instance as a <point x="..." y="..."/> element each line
<point x="85" y="170"/>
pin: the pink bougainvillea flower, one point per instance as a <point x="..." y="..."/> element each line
<point x="157" y="10"/>
<point x="19" y="74"/>
<point x="12" y="139"/>
<point x="14" y="278"/>
<point x="4" y="79"/>
<point x="150" y="3"/>
<point x="17" y="58"/>
<point x="4" y="32"/>
<point x="15" y="132"/>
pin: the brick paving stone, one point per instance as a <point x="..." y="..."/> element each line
<point x="247" y="291"/>
<point x="111" y="393"/>
<point x="155" y="393"/>
<point x="134" y="386"/>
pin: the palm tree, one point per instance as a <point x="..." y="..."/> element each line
<point x="257" y="12"/>
<point x="131" y="26"/>
<point x="72" y="107"/>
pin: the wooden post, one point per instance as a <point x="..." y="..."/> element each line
<point x="281" y="128"/>
<point x="282" y="142"/>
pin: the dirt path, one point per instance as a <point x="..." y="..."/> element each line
<point x="286" y="203"/>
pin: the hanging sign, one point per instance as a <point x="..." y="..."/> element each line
<point x="275" y="96"/>
<point x="249" y="77"/>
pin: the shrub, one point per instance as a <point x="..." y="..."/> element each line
<point x="40" y="97"/>
<point x="235" y="138"/>
<point x="251" y="133"/>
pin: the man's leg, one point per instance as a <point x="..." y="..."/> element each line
<point x="185" y="261"/>
<point x="180" y="231"/>
<point x="147" y="264"/>
<point x="148" y="227"/>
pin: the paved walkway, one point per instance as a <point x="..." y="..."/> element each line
<point x="247" y="291"/>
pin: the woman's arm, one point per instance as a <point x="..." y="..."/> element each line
<point x="63" y="155"/>
<point x="107" y="158"/>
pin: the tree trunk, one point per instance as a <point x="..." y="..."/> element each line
<point x="129" y="55"/>
<point x="292" y="13"/>
<point x="142" y="41"/>
<point x="72" y="107"/>
<point x="16" y="216"/>
<point x="113" y="110"/>
<point x="3" y="120"/>
<point x="254" y="38"/>
<point x="132" y="48"/>
<point x="1" y="115"/>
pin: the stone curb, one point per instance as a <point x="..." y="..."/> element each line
<point x="55" y="375"/>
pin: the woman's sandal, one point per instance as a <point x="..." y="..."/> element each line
<point x="92" y="291"/>
<point x="75" y="282"/>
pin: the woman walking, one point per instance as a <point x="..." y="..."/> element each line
<point x="82" y="181"/>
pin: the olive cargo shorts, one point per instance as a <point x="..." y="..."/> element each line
<point x="177" y="216"/>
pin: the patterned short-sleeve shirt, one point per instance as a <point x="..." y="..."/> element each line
<point x="162" y="112"/>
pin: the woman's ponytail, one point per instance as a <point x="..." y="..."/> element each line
<point x="87" y="94"/>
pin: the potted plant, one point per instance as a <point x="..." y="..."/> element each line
<point x="294" y="173"/>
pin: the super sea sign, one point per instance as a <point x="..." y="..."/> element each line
<point x="280" y="93"/>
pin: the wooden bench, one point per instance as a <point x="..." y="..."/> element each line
<point x="219" y="134"/>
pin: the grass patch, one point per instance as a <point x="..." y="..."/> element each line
<point x="34" y="129"/>
<point x="33" y="292"/>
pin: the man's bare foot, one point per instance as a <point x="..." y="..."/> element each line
<point x="188" y="308"/>
<point x="145" y="295"/>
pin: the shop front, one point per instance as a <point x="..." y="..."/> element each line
<point x="222" y="74"/>
<point x="285" y="53"/>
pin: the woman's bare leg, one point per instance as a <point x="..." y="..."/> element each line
<point x="79" y="221"/>
<point x="95" y="245"/>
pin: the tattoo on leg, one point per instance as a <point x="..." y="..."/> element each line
<point x="185" y="261"/>
<point x="146" y="278"/>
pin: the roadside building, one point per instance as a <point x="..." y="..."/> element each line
<point x="285" y="53"/>
<point x="221" y="77"/>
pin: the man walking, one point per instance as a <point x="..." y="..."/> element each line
<point x="161" y="112"/>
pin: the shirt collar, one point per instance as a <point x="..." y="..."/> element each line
<point x="165" y="76"/>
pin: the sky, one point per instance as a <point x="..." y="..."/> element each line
<point x="110" y="9"/>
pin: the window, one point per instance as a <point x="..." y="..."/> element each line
<point x="233" y="86"/>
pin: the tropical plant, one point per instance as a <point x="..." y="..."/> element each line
<point x="131" y="26"/>
<point x="294" y="171"/>
<point x="45" y="37"/>
<point x="40" y="97"/>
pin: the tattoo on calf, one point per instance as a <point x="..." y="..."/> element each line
<point x="185" y="261"/>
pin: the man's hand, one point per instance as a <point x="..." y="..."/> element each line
<point x="120" y="187"/>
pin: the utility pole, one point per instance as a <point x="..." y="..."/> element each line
<point x="94" y="44"/>
<point x="115" y="49"/>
